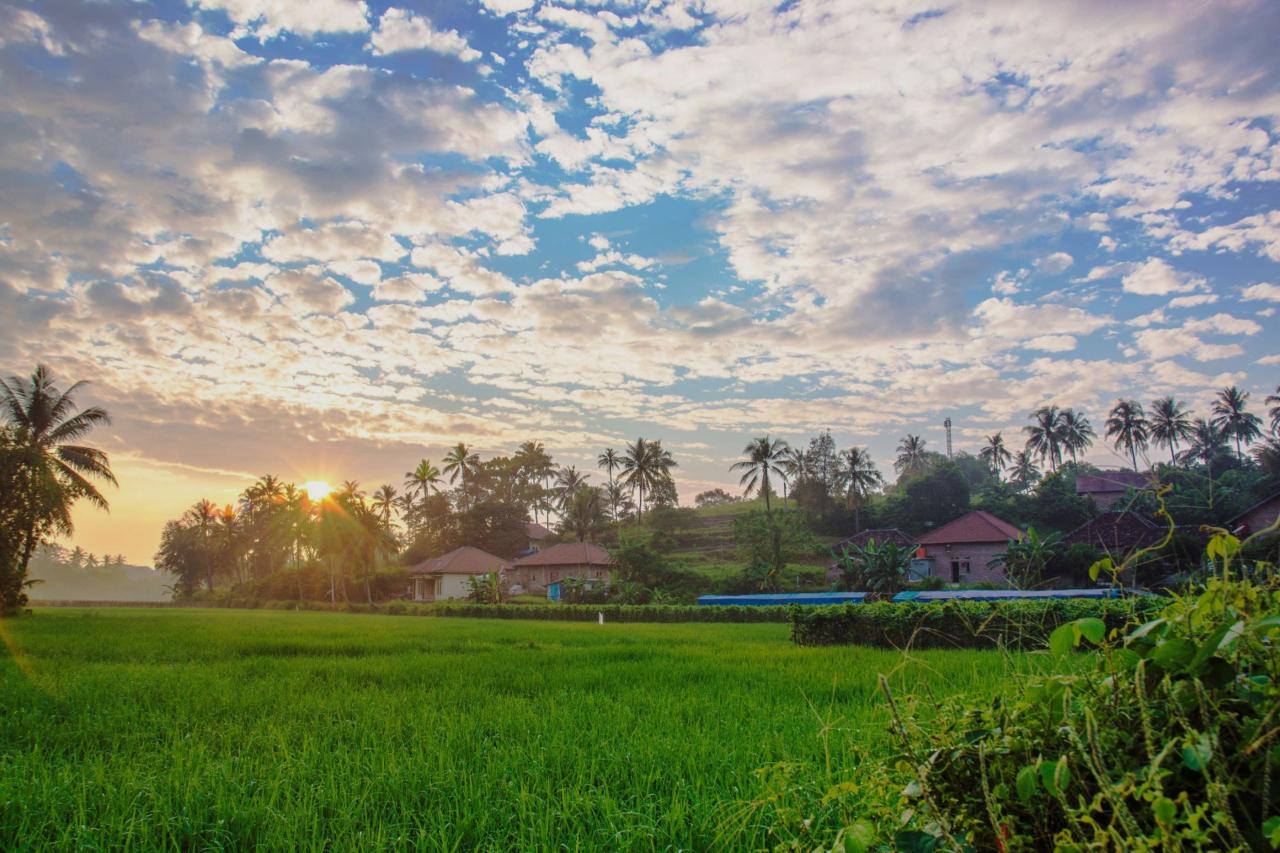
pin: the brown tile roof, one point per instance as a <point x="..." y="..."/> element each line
<point x="461" y="561"/>
<point x="976" y="526"/>
<point x="568" y="554"/>
<point x="1117" y="532"/>
<point x="537" y="531"/>
<point x="1110" y="481"/>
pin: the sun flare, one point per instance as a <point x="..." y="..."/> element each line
<point x="317" y="490"/>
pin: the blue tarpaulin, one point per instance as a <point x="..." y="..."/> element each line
<point x="776" y="598"/>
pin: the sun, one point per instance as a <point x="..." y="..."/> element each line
<point x="317" y="490"/>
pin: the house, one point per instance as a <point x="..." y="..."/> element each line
<point x="861" y="540"/>
<point x="536" y="533"/>
<point x="959" y="551"/>
<point x="1107" y="487"/>
<point x="582" y="560"/>
<point x="1117" y="532"/>
<point x="446" y="576"/>
<point x="1260" y="516"/>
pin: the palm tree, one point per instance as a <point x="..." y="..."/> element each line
<point x="1267" y="455"/>
<point x="1024" y="471"/>
<point x="350" y="489"/>
<point x="1207" y="443"/>
<point x="911" y="456"/>
<point x="1274" y="402"/>
<point x="536" y="467"/>
<point x="568" y="479"/>
<point x="795" y="465"/>
<point x="201" y="519"/>
<point x="610" y="461"/>
<point x="54" y="471"/>
<point x="1044" y="435"/>
<point x="384" y="503"/>
<point x="583" y="513"/>
<point x="1230" y="416"/>
<point x="863" y="477"/>
<point x="764" y="456"/>
<point x="995" y="454"/>
<point x="645" y="464"/>
<point x="459" y="462"/>
<point x="423" y="479"/>
<point x="1076" y="433"/>
<point x="1127" y="427"/>
<point x="1170" y="423"/>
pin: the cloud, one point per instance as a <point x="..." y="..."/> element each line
<point x="1264" y="292"/>
<point x="1156" y="278"/>
<point x="400" y="30"/>
<point x="268" y="18"/>
<point x="1056" y="263"/>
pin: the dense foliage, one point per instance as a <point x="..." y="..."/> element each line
<point x="957" y="624"/>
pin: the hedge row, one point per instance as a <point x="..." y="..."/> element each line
<point x="957" y="624"/>
<point x="556" y="612"/>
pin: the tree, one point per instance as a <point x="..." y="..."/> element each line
<point x="48" y="471"/>
<point x="422" y="480"/>
<point x="877" y="568"/>
<point x="1230" y="417"/>
<point x="1267" y="455"/>
<point x="459" y="464"/>
<point x="610" y="461"/>
<point x="1127" y="427"/>
<point x="1024" y="560"/>
<point x="1044" y="435"/>
<point x="1273" y="401"/>
<point x="1207" y="444"/>
<point x="568" y="479"/>
<point x="485" y="588"/>
<point x="583" y="514"/>
<point x="1170" y="424"/>
<point x="384" y="503"/>
<point x="794" y="467"/>
<point x="1076" y="433"/>
<point x="862" y="477"/>
<point x="995" y="454"/>
<point x="768" y="541"/>
<point x="713" y="497"/>
<point x="911" y="456"/>
<point x="1024" y="472"/>
<point x="763" y="457"/>
<point x="646" y="466"/>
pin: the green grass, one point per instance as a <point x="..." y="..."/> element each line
<point x="230" y="729"/>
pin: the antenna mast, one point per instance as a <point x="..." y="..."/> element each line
<point x="947" y="424"/>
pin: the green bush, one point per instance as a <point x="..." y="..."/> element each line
<point x="957" y="624"/>
<point x="1168" y="739"/>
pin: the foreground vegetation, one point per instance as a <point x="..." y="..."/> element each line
<point x="217" y="728"/>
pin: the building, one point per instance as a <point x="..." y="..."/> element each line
<point x="1260" y="516"/>
<point x="1117" y="532"/>
<point x="1108" y="487"/>
<point x="582" y="560"/>
<point x="861" y="540"/>
<point x="536" y="533"/>
<point x="960" y="551"/>
<point x="446" y="576"/>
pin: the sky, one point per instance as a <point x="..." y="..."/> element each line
<point x="325" y="239"/>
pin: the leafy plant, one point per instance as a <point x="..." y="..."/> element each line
<point x="1025" y="559"/>
<point x="879" y="568"/>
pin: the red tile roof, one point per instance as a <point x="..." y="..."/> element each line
<point x="568" y="554"/>
<point x="462" y="561"/>
<point x="537" y="531"/>
<point x="976" y="526"/>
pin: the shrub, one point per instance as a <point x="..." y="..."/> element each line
<point x="956" y="624"/>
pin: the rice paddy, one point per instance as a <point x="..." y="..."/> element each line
<point x="205" y="729"/>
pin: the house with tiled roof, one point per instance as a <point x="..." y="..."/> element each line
<point x="1108" y="487"/>
<point x="536" y="533"/>
<point x="963" y="550"/>
<point x="585" y="561"/>
<point x="1117" y="532"/>
<point x="1260" y="516"/>
<point x="447" y="576"/>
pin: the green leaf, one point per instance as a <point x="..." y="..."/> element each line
<point x="1103" y="565"/>
<point x="915" y="841"/>
<point x="1026" y="783"/>
<point x="858" y="837"/>
<point x="1271" y="831"/>
<point x="1092" y="629"/>
<point x="1196" y="755"/>
<point x="1062" y="640"/>
<point x="1165" y="809"/>
<point x="1146" y="628"/>
<point x="1052" y="774"/>
<point x="1174" y="654"/>
<point x="1223" y="546"/>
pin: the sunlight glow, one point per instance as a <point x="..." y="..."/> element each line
<point x="317" y="490"/>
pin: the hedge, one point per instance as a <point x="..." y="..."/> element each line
<point x="555" y="612"/>
<point x="957" y="624"/>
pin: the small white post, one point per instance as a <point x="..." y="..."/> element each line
<point x="601" y="615"/>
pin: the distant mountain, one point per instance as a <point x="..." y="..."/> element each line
<point x="74" y="575"/>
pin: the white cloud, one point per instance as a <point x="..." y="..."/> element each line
<point x="1056" y="263"/>
<point x="401" y="30"/>
<point x="1193" y="301"/>
<point x="267" y="18"/>
<point x="1156" y="278"/>
<point x="1264" y="292"/>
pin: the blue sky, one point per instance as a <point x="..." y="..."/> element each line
<point x="329" y="238"/>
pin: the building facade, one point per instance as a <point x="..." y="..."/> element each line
<point x="966" y="550"/>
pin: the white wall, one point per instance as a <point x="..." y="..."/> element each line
<point x="452" y="586"/>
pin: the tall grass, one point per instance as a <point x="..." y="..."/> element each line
<point x="225" y="729"/>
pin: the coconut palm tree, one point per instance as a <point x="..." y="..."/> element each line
<point x="1044" y="435"/>
<point x="1076" y="433"/>
<point x="995" y="454"/>
<point x="568" y="479"/>
<point x="459" y="463"/>
<point x="862" y="477"/>
<point x="583" y="514"/>
<point x="1274" y="402"/>
<point x="763" y="457"/>
<point x="422" y="480"/>
<point x="1024" y="472"/>
<point x="911" y="456"/>
<point x="645" y="464"/>
<point x="1229" y="415"/>
<point x="202" y="520"/>
<point x="794" y="465"/>
<point x="536" y="468"/>
<point x="384" y="503"/>
<point x="350" y="489"/>
<point x="610" y="461"/>
<point x="53" y="470"/>
<point x="1170" y="424"/>
<point x="1267" y="454"/>
<point x="1127" y="427"/>
<point x="1208" y="442"/>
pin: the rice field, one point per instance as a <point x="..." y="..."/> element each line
<point x="206" y="729"/>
